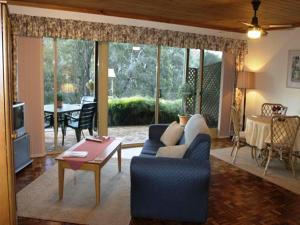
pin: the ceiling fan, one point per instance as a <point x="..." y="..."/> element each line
<point x="255" y="31"/>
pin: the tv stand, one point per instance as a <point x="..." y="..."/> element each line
<point x="22" y="152"/>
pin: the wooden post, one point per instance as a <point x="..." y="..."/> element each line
<point x="7" y="173"/>
<point x="102" y="89"/>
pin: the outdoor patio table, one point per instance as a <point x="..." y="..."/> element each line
<point x="66" y="108"/>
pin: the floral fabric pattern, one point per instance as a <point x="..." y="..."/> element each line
<point x="39" y="27"/>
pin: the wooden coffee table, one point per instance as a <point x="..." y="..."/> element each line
<point x="94" y="165"/>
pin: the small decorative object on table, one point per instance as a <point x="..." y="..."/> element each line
<point x="276" y="109"/>
<point x="97" y="138"/>
<point x="186" y="91"/>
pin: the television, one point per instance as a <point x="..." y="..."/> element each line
<point x="18" y="118"/>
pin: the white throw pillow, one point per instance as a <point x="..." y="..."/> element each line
<point x="176" y="151"/>
<point x="194" y="126"/>
<point x="172" y="134"/>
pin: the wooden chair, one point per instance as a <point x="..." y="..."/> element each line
<point x="239" y="139"/>
<point x="273" y="109"/>
<point x="83" y="121"/>
<point x="283" y="134"/>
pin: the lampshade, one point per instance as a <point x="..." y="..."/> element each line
<point x="245" y="80"/>
<point x="254" y="33"/>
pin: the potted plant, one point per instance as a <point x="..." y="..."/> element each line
<point x="59" y="100"/>
<point x="186" y="91"/>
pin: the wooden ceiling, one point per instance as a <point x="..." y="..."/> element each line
<point x="216" y="14"/>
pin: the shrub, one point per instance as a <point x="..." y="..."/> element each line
<point x="140" y="111"/>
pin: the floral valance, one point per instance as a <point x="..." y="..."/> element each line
<point x="33" y="26"/>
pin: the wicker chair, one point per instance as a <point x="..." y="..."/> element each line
<point x="272" y="109"/>
<point x="295" y="155"/>
<point x="283" y="134"/>
<point x="239" y="139"/>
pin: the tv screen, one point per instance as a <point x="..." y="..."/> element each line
<point x="18" y="118"/>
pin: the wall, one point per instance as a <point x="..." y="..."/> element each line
<point x="30" y="90"/>
<point x="268" y="57"/>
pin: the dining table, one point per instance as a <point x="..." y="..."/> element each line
<point x="258" y="131"/>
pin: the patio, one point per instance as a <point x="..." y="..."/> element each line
<point x="129" y="134"/>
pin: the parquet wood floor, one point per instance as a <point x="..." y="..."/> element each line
<point x="236" y="196"/>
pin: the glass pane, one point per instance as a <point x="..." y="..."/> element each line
<point x="172" y="69"/>
<point x="211" y="87"/>
<point x="131" y="91"/>
<point x="75" y="79"/>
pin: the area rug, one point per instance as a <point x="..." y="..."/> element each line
<point x="40" y="198"/>
<point x="277" y="173"/>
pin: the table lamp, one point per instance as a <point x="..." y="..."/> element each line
<point x="245" y="81"/>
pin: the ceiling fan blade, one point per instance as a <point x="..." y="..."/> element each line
<point x="280" y="26"/>
<point x="248" y="24"/>
<point x="264" y="32"/>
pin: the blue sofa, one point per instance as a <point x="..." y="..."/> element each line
<point x="171" y="188"/>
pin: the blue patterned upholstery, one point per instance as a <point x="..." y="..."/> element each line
<point x="168" y="188"/>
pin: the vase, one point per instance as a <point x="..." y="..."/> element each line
<point x="183" y="119"/>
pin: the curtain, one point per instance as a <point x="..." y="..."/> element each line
<point x="39" y="27"/>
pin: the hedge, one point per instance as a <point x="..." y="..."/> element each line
<point x="141" y="110"/>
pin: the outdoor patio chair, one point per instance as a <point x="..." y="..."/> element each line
<point x="87" y="99"/>
<point x="48" y="121"/>
<point x="83" y="121"/>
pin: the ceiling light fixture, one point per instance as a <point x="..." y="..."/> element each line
<point x="254" y="32"/>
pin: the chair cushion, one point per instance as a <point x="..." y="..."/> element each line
<point x="172" y="134"/>
<point x="176" y="151"/>
<point x="194" y="126"/>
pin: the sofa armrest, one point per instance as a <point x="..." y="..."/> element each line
<point x="156" y="130"/>
<point x="169" y="189"/>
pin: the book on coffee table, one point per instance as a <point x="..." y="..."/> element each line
<point x="76" y="154"/>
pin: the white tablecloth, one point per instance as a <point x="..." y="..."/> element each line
<point x="258" y="131"/>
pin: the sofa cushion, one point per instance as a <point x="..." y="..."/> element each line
<point x="176" y="151"/>
<point x="172" y="134"/>
<point x="194" y="126"/>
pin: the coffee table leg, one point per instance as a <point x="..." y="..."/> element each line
<point x="119" y="159"/>
<point x="61" y="177"/>
<point x="97" y="185"/>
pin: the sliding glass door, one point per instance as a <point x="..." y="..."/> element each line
<point x="131" y="91"/>
<point x="69" y="76"/>
<point x="172" y="77"/>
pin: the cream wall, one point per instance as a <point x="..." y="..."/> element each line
<point x="30" y="91"/>
<point x="268" y="57"/>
